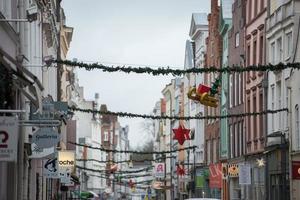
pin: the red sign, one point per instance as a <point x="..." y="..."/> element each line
<point x="215" y="175"/>
<point x="296" y="170"/>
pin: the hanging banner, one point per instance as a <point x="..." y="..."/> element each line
<point x="233" y="170"/>
<point x="8" y="138"/>
<point x="200" y="178"/>
<point x="45" y="137"/>
<point x="215" y="175"/>
<point x="296" y="170"/>
<point x="50" y="168"/>
<point x="245" y="174"/>
<point x="66" y="161"/>
<point x="159" y="170"/>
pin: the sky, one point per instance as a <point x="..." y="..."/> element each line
<point x="135" y="32"/>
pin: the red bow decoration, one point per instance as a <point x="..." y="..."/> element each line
<point x="181" y="134"/>
<point x="180" y="171"/>
<point x="131" y="183"/>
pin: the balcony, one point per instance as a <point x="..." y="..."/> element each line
<point x="280" y="14"/>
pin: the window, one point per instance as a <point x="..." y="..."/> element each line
<point x="254" y="118"/>
<point x="231" y="95"/>
<point x="105" y="136"/>
<point x="248" y="61"/>
<point x="241" y="94"/>
<point x="261" y="49"/>
<point x="254" y="56"/>
<point x="249" y="120"/>
<point x="287" y="106"/>
<point x="255" y="7"/>
<point x="262" y="5"/>
<point x="289" y="44"/>
<point x="231" y="141"/>
<point x="261" y="117"/>
<point x="297" y="125"/>
<point x="279" y="106"/>
<point x="236" y="139"/>
<point x="279" y="50"/>
<point x="237" y="39"/>
<point x="208" y="152"/>
<point x="249" y="11"/>
<point x="236" y="86"/>
<point x="272" y="52"/>
<point x="272" y="106"/>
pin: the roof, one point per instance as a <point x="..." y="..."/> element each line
<point x="226" y="6"/>
<point x="198" y="20"/>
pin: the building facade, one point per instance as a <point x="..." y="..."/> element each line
<point x="212" y="127"/>
<point x="236" y="57"/>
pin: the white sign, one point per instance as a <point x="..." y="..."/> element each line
<point x="45" y="137"/>
<point x="245" y="174"/>
<point x="41" y="153"/>
<point x="50" y="168"/>
<point x="159" y="170"/>
<point x="65" y="178"/>
<point x="66" y="161"/>
<point x="8" y="138"/>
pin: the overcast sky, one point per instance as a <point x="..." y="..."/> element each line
<point x="141" y="32"/>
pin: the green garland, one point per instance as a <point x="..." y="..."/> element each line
<point x="154" y="117"/>
<point x="121" y="161"/>
<point x="177" y="72"/>
<point x="117" y="172"/>
<point x="130" y="151"/>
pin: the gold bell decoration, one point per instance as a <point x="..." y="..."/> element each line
<point x="204" y="95"/>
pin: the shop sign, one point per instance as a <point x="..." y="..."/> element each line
<point x="45" y="137"/>
<point x="233" y="170"/>
<point x="159" y="170"/>
<point x="200" y="178"/>
<point x="296" y="170"/>
<point x="8" y="138"/>
<point x="215" y="175"/>
<point x="66" y="161"/>
<point x="245" y="174"/>
<point x="50" y="168"/>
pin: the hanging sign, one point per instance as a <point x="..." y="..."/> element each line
<point x="159" y="170"/>
<point x="42" y="153"/>
<point x="50" y="168"/>
<point x="215" y="175"/>
<point x="244" y="174"/>
<point x="8" y="138"/>
<point x="296" y="170"/>
<point x="66" y="161"/>
<point x="233" y="170"/>
<point x="45" y="137"/>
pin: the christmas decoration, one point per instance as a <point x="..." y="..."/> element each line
<point x="205" y="95"/>
<point x="180" y="170"/>
<point x="113" y="168"/>
<point x="178" y="72"/>
<point x="131" y="184"/>
<point x="154" y="117"/>
<point x="181" y="134"/>
<point x="135" y="152"/>
<point x="260" y="162"/>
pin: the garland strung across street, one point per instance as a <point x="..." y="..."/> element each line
<point x="119" y="172"/>
<point x="121" y="161"/>
<point x="154" y="117"/>
<point x="131" y="151"/>
<point x="177" y="72"/>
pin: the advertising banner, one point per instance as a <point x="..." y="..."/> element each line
<point x="215" y="175"/>
<point x="8" y="138"/>
<point x="245" y="174"/>
<point x="159" y="170"/>
<point x="50" y="168"/>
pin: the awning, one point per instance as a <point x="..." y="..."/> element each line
<point x="25" y="81"/>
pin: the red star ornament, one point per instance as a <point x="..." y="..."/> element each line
<point x="180" y="171"/>
<point x="181" y="134"/>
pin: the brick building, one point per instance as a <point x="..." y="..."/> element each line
<point x="255" y="94"/>
<point x="236" y="57"/>
<point x="212" y="129"/>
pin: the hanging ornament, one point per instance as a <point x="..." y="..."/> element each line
<point x="205" y="95"/>
<point x="113" y="168"/>
<point x="131" y="184"/>
<point x="181" y="134"/>
<point x="215" y="88"/>
<point x="180" y="170"/>
<point x="260" y="162"/>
